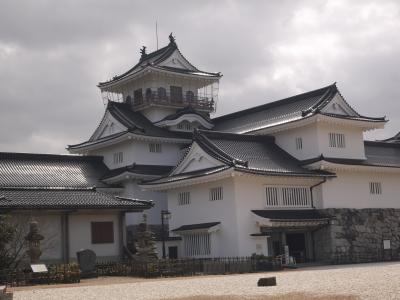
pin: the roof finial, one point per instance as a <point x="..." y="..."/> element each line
<point x="171" y="38"/>
<point x="143" y="52"/>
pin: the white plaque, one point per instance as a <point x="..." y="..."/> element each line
<point x="386" y="244"/>
<point x="39" y="268"/>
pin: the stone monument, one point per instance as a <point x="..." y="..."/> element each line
<point x="87" y="263"/>
<point x="145" y="246"/>
<point x="33" y="238"/>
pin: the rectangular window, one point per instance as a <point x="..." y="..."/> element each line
<point x="375" y="188"/>
<point x="155" y="148"/>
<point x="118" y="158"/>
<point x="337" y="140"/>
<point x="184" y="126"/>
<point x="288" y="196"/>
<point x="197" y="244"/>
<point x="176" y="93"/>
<point x="299" y="143"/>
<point x="138" y="96"/>
<point x="102" y="232"/>
<point x="216" y="193"/>
<point x="184" y="198"/>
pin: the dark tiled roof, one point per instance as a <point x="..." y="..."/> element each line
<point x="378" y="154"/>
<point x="139" y="124"/>
<point x="188" y="175"/>
<point x="186" y="110"/>
<point x="52" y="198"/>
<point x="196" y="226"/>
<point x="290" y="215"/>
<point x="135" y="123"/>
<point x="283" y="111"/>
<point x="155" y="58"/>
<point x="394" y="140"/>
<point x="251" y="153"/>
<point x="153" y="170"/>
<point x="48" y="170"/>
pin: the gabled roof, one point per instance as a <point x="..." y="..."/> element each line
<point x="135" y="122"/>
<point x="250" y="153"/>
<point x="286" y="110"/>
<point x="199" y="226"/>
<point x="186" y="110"/>
<point x="155" y="58"/>
<point x="378" y="154"/>
<point x="50" y="170"/>
<point x="148" y="170"/>
<point x="243" y="153"/>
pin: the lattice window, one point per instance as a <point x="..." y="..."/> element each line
<point x="184" y="198"/>
<point x="299" y="143"/>
<point x="216" y="193"/>
<point x="337" y="140"/>
<point x="375" y="188"/>
<point x="155" y="148"/>
<point x="288" y="196"/>
<point x="184" y="126"/>
<point x="118" y="158"/>
<point x="197" y="244"/>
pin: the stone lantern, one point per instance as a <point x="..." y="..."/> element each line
<point x="33" y="238"/>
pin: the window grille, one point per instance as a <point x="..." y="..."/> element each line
<point x="288" y="196"/>
<point x="155" y="148"/>
<point x="375" y="188"/>
<point x="337" y="140"/>
<point x="197" y="244"/>
<point x="216" y="193"/>
<point x="185" y="126"/>
<point x="118" y="158"/>
<point x="299" y="143"/>
<point x="184" y="198"/>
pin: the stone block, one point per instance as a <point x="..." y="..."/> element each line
<point x="267" y="281"/>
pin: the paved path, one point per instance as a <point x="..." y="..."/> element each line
<point x="364" y="281"/>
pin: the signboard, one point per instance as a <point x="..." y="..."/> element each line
<point x="39" y="268"/>
<point x="386" y="244"/>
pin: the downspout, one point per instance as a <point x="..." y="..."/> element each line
<point x="311" y="191"/>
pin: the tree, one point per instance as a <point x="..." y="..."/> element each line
<point x="8" y="232"/>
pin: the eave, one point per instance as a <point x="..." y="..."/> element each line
<point x="298" y="121"/>
<point x="148" y="69"/>
<point x="325" y="164"/>
<point x="186" y="117"/>
<point x="119" y="138"/>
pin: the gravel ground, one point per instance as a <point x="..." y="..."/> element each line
<point x="363" y="281"/>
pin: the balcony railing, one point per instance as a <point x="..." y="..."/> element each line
<point x="173" y="99"/>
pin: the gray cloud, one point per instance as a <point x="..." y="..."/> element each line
<point x="53" y="53"/>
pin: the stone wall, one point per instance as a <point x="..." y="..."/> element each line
<point x="357" y="235"/>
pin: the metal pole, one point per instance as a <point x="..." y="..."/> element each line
<point x="163" y="234"/>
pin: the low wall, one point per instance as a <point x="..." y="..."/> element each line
<point x="357" y="235"/>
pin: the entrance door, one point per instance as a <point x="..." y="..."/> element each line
<point x="297" y="246"/>
<point x="173" y="252"/>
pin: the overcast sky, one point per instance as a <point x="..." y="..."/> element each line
<point x="53" y="53"/>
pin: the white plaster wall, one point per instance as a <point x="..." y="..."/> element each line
<point x="353" y="138"/>
<point x="250" y="195"/>
<point x="81" y="238"/>
<point x="316" y="141"/>
<point x="138" y="152"/>
<point x="351" y="190"/>
<point x="132" y="190"/>
<point x="287" y="141"/>
<point x="202" y="210"/>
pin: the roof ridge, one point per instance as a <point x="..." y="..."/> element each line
<point x="28" y="155"/>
